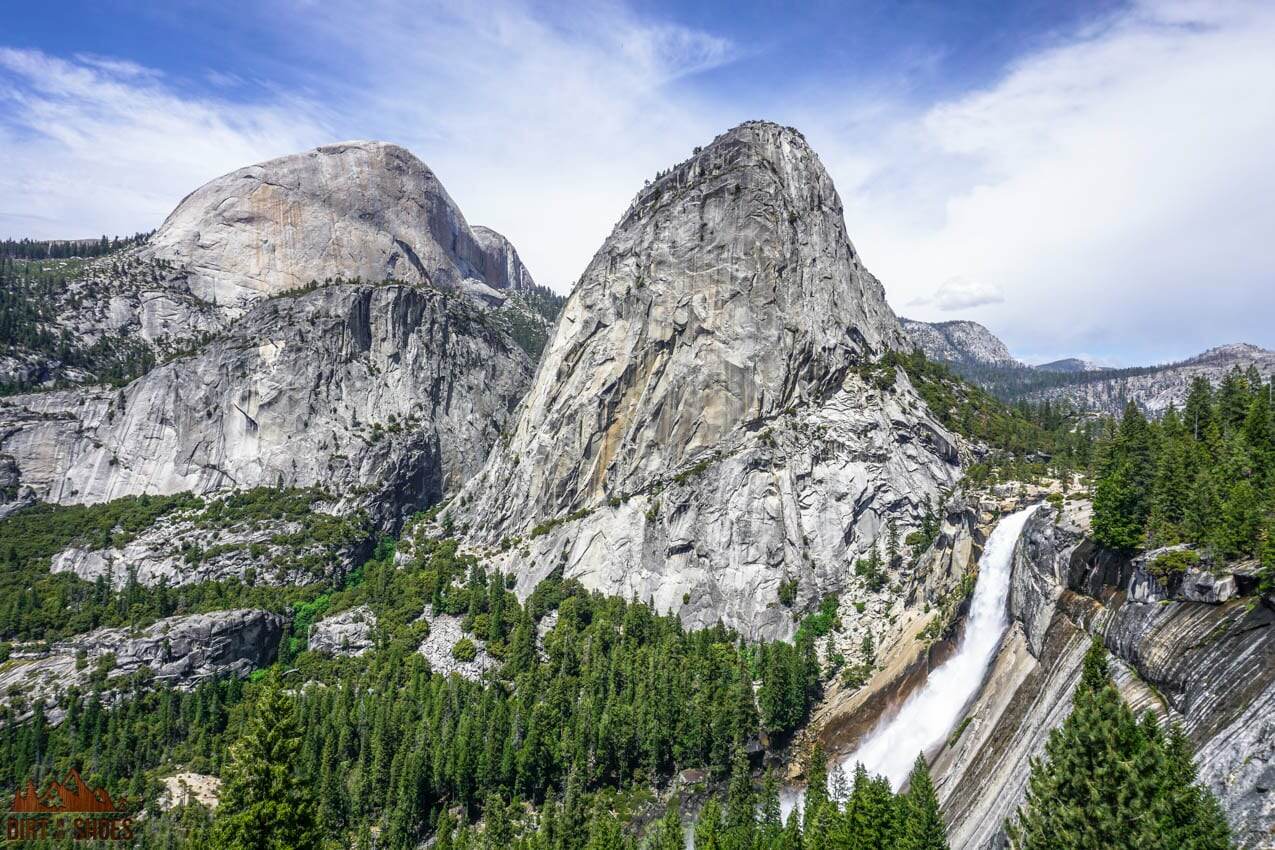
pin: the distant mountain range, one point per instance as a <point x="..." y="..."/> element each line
<point x="980" y="356"/>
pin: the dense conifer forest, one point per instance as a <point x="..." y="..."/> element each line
<point x="1203" y="476"/>
<point x="62" y="249"/>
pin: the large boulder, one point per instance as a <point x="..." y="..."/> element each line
<point x="177" y="651"/>
<point x="348" y="633"/>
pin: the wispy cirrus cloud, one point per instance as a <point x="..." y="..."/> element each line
<point x="1115" y="186"/>
<point x="94" y="144"/>
<point x="541" y="121"/>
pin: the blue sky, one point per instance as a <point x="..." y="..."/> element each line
<point x="1085" y="178"/>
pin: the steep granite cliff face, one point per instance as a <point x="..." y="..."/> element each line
<point x="390" y="391"/>
<point x="1210" y="666"/>
<point x="502" y="267"/>
<point x="707" y="420"/>
<point x="366" y="211"/>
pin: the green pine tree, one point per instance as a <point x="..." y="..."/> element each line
<point x="1187" y="816"/>
<point x="921" y="826"/>
<point x="1108" y="781"/>
<point x="708" y="828"/>
<point x="264" y="805"/>
<point x="1122" y="498"/>
<point x="816" y="787"/>
<point x="870" y="815"/>
<point x="668" y="833"/>
<point x="1266" y="572"/>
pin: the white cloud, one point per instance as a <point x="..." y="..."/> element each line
<point x="1117" y="187"/>
<point x="97" y="145"/>
<point x="958" y="293"/>
<point x="542" y="122"/>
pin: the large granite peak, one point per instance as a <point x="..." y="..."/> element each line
<point x="725" y="320"/>
<point x="357" y="209"/>
<point x="959" y="341"/>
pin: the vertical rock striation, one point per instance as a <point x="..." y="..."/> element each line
<point x="392" y="391"/>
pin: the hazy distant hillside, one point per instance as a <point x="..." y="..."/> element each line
<point x="965" y="343"/>
<point x="979" y="356"/>
<point x="1155" y="388"/>
<point x="1070" y="365"/>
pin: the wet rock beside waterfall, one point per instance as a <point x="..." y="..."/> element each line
<point x="1209" y="666"/>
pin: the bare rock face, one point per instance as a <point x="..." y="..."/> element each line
<point x="179" y="651"/>
<point x="348" y="633"/>
<point x="1201" y="582"/>
<point x="203" y="544"/>
<point x="366" y="211"/>
<point x="185" y="788"/>
<point x="707" y="420"/>
<point x="444" y="633"/>
<point x="387" y="390"/>
<point x="502" y="267"/>
<point x="1156" y="389"/>
<point x="358" y="209"/>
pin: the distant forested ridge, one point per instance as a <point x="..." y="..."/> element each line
<point x="61" y="249"/>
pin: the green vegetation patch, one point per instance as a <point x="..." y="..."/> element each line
<point x="36" y="604"/>
<point x="1168" y="564"/>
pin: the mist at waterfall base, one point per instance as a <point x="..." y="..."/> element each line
<point x="930" y="713"/>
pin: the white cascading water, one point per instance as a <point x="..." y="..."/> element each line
<point x="930" y="714"/>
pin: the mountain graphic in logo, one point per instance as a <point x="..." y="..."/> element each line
<point x="59" y="798"/>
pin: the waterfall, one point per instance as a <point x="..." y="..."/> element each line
<point x="931" y="712"/>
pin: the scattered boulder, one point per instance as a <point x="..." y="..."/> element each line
<point x="444" y="633"/>
<point x="1179" y="573"/>
<point x="182" y="789"/>
<point x="347" y="634"/>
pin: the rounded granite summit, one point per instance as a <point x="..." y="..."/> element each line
<point x="357" y="209"/>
